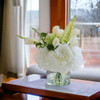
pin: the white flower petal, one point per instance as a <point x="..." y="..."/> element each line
<point x="60" y="32"/>
<point x="55" y="29"/>
<point x="55" y="42"/>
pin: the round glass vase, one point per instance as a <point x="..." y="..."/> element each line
<point x="58" y="79"/>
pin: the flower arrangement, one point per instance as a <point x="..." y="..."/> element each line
<point x="58" y="51"/>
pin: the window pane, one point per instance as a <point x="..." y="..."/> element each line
<point x="88" y="21"/>
<point x="32" y="16"/>
<point x="86" y="10"/>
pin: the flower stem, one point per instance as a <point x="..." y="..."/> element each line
<point x="58" y="79"/>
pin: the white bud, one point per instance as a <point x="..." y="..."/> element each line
<point x="55" y="42"/>
<point x="55" y="29"/>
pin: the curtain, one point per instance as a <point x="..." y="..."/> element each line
<point x="1" y="25"/>
<point x="19" y="17"/>
<point x="13" y="47"/>
<point x="19" y="25"/>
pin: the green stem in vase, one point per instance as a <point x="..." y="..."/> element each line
<point x="58" y="79"/>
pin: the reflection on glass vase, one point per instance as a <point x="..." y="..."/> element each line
<point x="58" y="79"/>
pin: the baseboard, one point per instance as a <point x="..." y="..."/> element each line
<point x="11" y="74"/>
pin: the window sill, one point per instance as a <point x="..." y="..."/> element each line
<point x="92" y="74"/>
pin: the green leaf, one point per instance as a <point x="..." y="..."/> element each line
<point x="50" y="47"/>
<point x="56" y="47"/>
<point x="49" y="38"/>
<point x="43" y="34"/>
<point x="36" y="31"/>
<point x="21" y="37"/>
<point x="39" y="44"/>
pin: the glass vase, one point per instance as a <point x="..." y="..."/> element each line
<point x="58" y="79"/>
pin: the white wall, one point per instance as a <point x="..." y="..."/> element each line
<point x="44" y="17"/>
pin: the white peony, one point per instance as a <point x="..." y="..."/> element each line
<point x="41" y="57"/>
<point x="64" y="51"/>
<point x="55" y="42"/>
<point x="63" y="59"/>
<point x="28" y="41"/>
<point x="77" y="59"/>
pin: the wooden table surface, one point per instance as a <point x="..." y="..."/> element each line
<point x="77" y="90"/>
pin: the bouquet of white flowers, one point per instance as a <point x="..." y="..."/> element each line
<point x="58" y="51"/>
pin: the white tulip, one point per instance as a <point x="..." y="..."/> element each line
<point x="55" y="42"/>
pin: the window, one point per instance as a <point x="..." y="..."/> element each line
<point x="88" y="21"/>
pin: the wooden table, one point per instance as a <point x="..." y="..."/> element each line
<point x="33" y="84"/>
